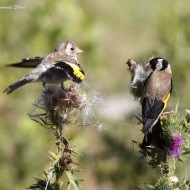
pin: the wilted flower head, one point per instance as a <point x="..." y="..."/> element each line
<point x="138" y="78"/>
<point x="68" y="106"/>
<point x="175" y="146"/>
<point x="60" y="105"/>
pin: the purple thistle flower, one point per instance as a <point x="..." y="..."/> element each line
<point x="175" y="146"/>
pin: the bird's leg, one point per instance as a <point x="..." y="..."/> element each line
<point x="44" y="85"/>
<point x="168" y="113"/>
<point x="62" y="86"/>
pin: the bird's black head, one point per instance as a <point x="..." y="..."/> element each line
<point x="158" y="63"/>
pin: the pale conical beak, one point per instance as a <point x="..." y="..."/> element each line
<point x="77" y="50"/>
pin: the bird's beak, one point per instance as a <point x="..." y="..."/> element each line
<point x="77" y="50"/>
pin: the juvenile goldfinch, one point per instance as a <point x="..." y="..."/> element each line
<point x="55" y="68"/>
<point x="157" y="90"/>
<point x="64" y="50"/>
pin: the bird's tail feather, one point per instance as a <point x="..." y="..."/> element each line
<point x="16" y="85"/>
<point x="155" y="137"/>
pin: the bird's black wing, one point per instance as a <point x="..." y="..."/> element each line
<point x="72" y="70"/>
<point x="151" y="109"/>
<point x="32" y="62"/>
<point x="155" y="138"/>
<point x="171" y="86"/>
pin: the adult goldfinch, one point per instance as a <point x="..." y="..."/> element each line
<point x="157" y="90"/>
<point x="56" y="67"/>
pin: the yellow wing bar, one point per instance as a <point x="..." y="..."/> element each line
<point x="76" y="70"/>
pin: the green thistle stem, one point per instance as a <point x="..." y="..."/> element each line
<point x="57" y="181"/>
<point x="172" y="166"/>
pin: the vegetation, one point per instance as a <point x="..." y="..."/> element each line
<point x="109" y="32"/>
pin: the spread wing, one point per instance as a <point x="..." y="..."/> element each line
<point x="27" y="62"/>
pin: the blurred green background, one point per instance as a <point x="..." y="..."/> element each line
<point x="109" y="32"/>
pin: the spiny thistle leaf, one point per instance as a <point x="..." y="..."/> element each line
<point x="54" y="157"/>
<point x="73" y="182"/>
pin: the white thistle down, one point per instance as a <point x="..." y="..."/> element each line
<point x="89" y="103"/>
<point x="138" y="78"/>
<point x="71" y="105"/>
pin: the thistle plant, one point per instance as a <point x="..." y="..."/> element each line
<point x="58" y="108"/>
<point x="170" y="144"/>
<point x="176" y="143"/>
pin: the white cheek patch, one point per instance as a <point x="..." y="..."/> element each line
<point x="159" y="65"/>
<point x="169" y="69"/>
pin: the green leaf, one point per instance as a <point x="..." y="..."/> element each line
<point x="72" y="181"/>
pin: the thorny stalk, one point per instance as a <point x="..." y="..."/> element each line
<point x="61" y="108"/>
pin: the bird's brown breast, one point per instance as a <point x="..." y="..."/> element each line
<point x="158" y="85"/>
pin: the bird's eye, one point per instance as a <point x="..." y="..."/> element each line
<point x="72" y="48"/>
